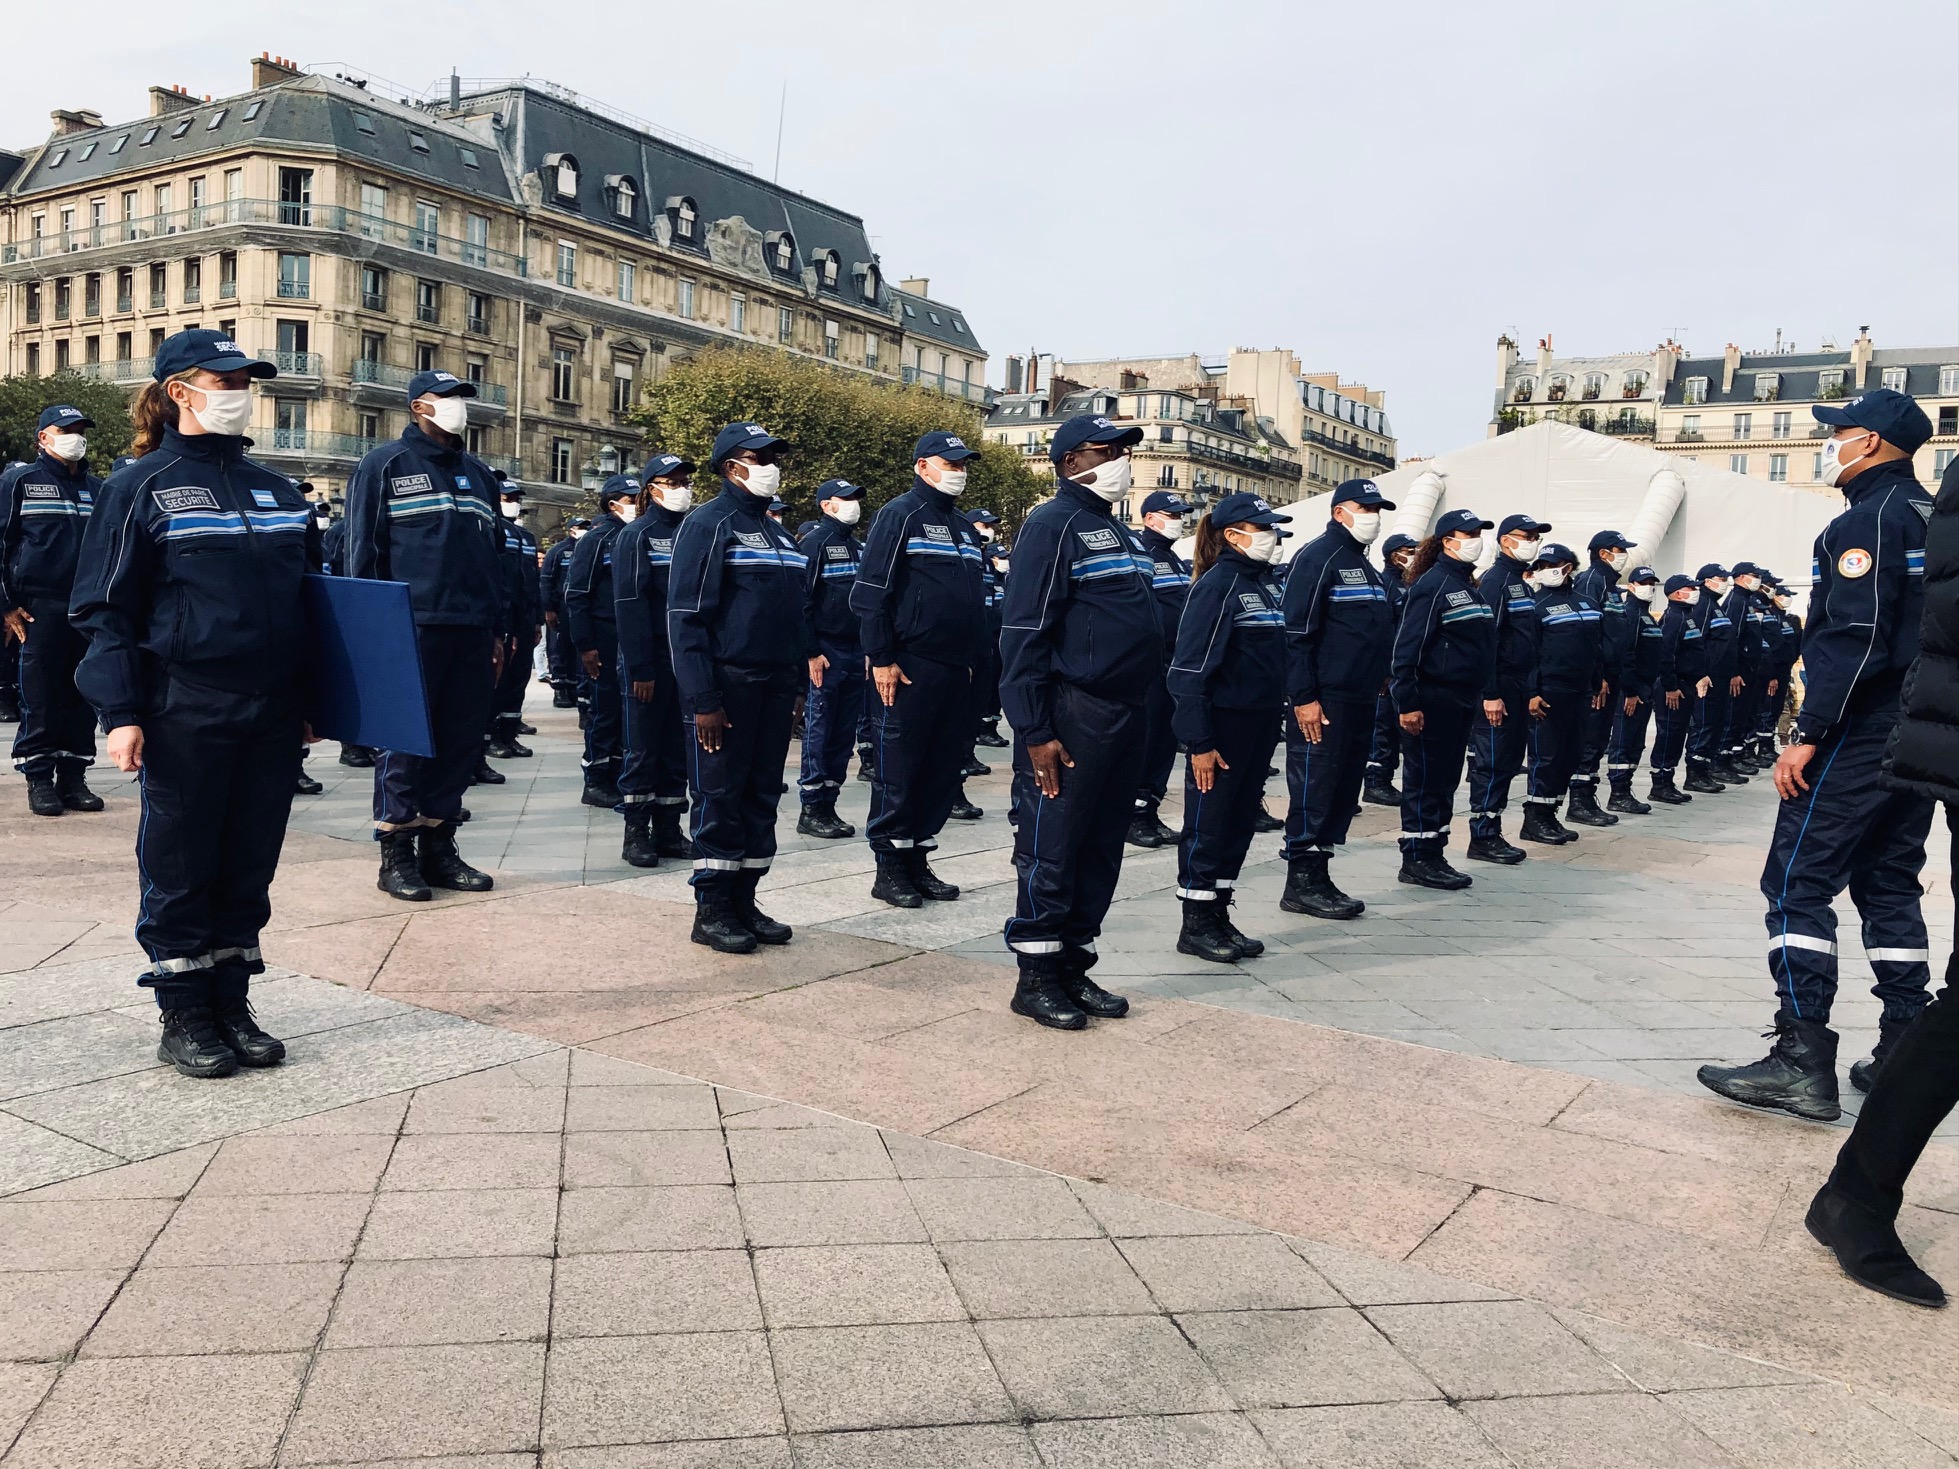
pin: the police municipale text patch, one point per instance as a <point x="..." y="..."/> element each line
<point x="1853" y="563"/>
<point x="187" y="497"/>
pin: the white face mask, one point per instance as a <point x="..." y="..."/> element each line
<point x="1720" y="587"/>
<point x="763" y="480"/>
<point x="1834" y="467"/>
<point x="951" y="482"/>
<point x="1643" y="591"/>
<point x="1526" y="551"/>
<point x="1469" y="548"/>
<point x="626" y="510"/>
<point x="1747" y="583"/>
<point x="511" y="509"/>
<point x="674" y="499"/>
<point x="1551" y="576"/>
<point x="1616" y="560"/>
<point x="1263" y="546"/>
<point x="845" y="512"/>
<point x="1366" y="526"/>
<point x="1163" y="524"/>
<point x="1110" y="480"/>
<point x="577" y="532"/>
<point x="226" y="411"/>
<point x="985" y="532"/>
<point x="69" y="447"/>
<point x="450" y="414"/>
<point x="1689" y="598"/>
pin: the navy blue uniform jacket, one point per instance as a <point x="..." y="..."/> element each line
<point x="520" y="556"/>
<point x="1570" y="643"/>
<point x="642" y="565"/>
<point x="44" y="508"/>
<point x="1645" y="665"/>
<point x="551" y="578"/>
<point x="920" y="588"/>
<point x="421" y="513"/>
<point x="1618" y="617"/>
<point x="735" y="596"/>
<point x="1719" y="635"/>
<point x="588" y="588"/>
<point x="1683" y="648"/>
<point x="192" y="562"/>
<point x="1509" y="597"/>
<point x="1447" y="638"/>
<point x="1170" y="579"/>
<point x="1231" y="648"/>
<point x="1339" y="621"/>
<point x="834" y="553"/>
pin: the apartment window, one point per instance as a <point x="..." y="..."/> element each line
<point x="124" y="346"/>
<point x="1167" y="435"/>
<point x="193" y="280"/>
<point x="1829" y="383"/>
<point x="98" y="215"/>
<point x="1780" y="425"/>
<point x="1744" y="423"/>
<point x="624" y="375"/>
<point x="684" y="298"/>
<point x="476" y="240"/>
<point x="61" y="293"/>
<point x="91" y="349"/>
<point x="295" y="275"/>
<point x="1949" y="382"/>
<point x="684" y="218"/>
<point x="561" y="461"/>
<point x="567" y="263"/>
<point x="1948" y="422"/>
<point x="128" y="215"/>
<point x="1894" y="379"/>
<point x="374" y="288"/>
<point x="1690" y="425"/>
<point x="1778" y="468"/>
<point x="1816" y="466"/>
<point x="476" y="439"/>
<point x="428" y="227"/>
<point x="159" y="287"/>
<point x="477" y="314"/>
<point x="61" y="355"/>
<point x="1738" y="463"/>
<point x="624" y="198"/>
<point x="374" y="210"/>
<point x="428" y="301"/>
<point x="33" y="359"/>
<point x="160" y="203"/>
<point x="737" y="312"/>
<point x="418" y="140"/>
<point x="785" y="324"/>
<point x="628" y="277"/>
<point x="830" y="340"/>
<point x="197" y="202"/>
<point x="783" y="251"/>
<point x="293" y="339"/>
<point x="1166" y="476"/>
<point x="1942" y="461"/>
<point x="374" y="347"/>
<point x="91" y="295"/>
<point x="295" y="196"/>
<point x="870" y="350"/>
<point x="476" y="369"/>
<point x="157" y="335"/>
<point x="234" y="194"/>
<point x="181" y="128"/>
<point x="564" y="375"/>
<point x="1767" y="386"/>
<point x="289" y="422"/>
<point x="1694" y="392"/>
<point x="425" y="357"/>
<point x="367" y="426"/>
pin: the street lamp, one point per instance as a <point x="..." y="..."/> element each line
<point x="608" y="461"/>
<point x="590" y="477"/>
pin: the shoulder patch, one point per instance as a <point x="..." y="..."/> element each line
<point x="186" y="497"/>
<point x="1251" y="601"/>
<point x="1923" y="507"/>
<point x="754" y="540"/>
<point x="835" y="552"/>
<point x="411" y="484"/>
<point x="1353" y="578"/>
<point x="1458" y="599"/>
<point x="265" y="499"/>
<point x="936" y="532"/>
<point x="40" y="492"/>
<point x="1099" y="539"/>
<point x="1854" y="563"/>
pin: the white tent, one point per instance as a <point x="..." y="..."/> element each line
<point x="1681" y="513"/>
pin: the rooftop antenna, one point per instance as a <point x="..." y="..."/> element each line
<point x="781" y="110"/>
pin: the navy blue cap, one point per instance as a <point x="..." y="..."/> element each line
<point x="1608" y="540"/>
<point x="1680" y="582"/>
<point x="1460" y="522"/>
<point x="1713" y="568"/>
<point x="438" y="384"/>
<point x="1361" y="492"/>
<point x="805" y="528"/>
<point x="1747" y="568"/>
<point x="1641" y="575"/>
<point x="1090" y="428"/>
<point x="838" y="489"/>
<point x="212" y="351"/>
<point x="662" y="465"/>
<point x="507" y="488"/>
<point x="1245" y="508"/>
<point x="776" y="507"/>
<point x="122" y="463"/>
<point x="1893" y="416"/>
<point x="1554" y="553"/>
<point x="619" y="487"/>
<point x="61" y="416"/>
<point x="980" y="515"/>
<point x="739" y="436"/>
<point x="1522" y="522"/>
<point x="579" y="522"/>
<point x="1165" y="502"/>
<point x="1397" y="543"/>
<point x="942" y="445"/>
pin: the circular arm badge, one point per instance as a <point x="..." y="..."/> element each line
<point x="1853" y="563"/>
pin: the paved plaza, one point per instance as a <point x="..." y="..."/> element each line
<point x="544" y="1184"/>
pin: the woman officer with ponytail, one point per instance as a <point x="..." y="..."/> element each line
<point x="188" y="590"/>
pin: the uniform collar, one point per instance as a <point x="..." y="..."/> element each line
<point x="753" y="506"/>
<point x="1876" y="481"/>
<point x="1342" y="534"/>
<point x="61" y="468"/>
<point x="932" y="495"/>
<point x="1083" y="497"/>
<point x="1156" y="540"/>
<point x="413" y="435"/>
<point x="659" y="514"/>
<point x="1611" y="576"/>
<point x="213" y="448"/>
<point x="849" y="531"/>
<point x="1243" y="564"/>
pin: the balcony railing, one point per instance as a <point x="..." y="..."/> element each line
<point x="159" y="300"/>
<point x="127" y="370"/>
<point x="380" y="374"/>
<point x="1631" y="428"/>
<point x="952" y="387"/>
<point x="330" y="218"/>
<point x="309" y="442"/>
<point x="295" y="290"/>
<point x="297" y="364"/>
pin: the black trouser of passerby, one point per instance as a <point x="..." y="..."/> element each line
<point x="1496" y="757"/>
<point x="653" y="737"/>
<point x="1556" y="743"/>
<point x="217" y="787"/>
<point x="1068" y="848"/>
<point x="9" y="669"/>
<point x="1628" y="740"/>
<point x="604" y="745"/>
<point x="1384" y="749"/>
<point x="1670" y="727"/>
<point x="832" y="715"/>
<point x="559" y="656"/>
<point x="1159" y="744"/>
<point x="1848" y="831"/>
<point x="1218" y="822"/>
<point x="921" y="739"/>
<point x="1596" y="736"/>
<point x="459" y="682"/>
<point x="1432" y="767"/>
<point x="1742" y="713"/>
<point x="507" y="705"/>
<point x="57" y="727"/>
<point x="1324" y="780"/>
<point x="1710" y="723"/>
<point x="737" y="788"/>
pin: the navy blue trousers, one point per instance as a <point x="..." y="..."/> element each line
<point x="1324" y="780"/>
<point x="1596" y="738"/>
<point x="1556" y="743"/>
<point x="1218" y="823"/>
<point x="1496" y="757"/>
<point x="507" y="706"/>
<point x="1068" y="849"/>
<point x="1743" y="711"/>
<point x="921" y="739"/>
<point x="1432" y="768"/>
<point x="737" y="788"/>
<point x="1384" y="753"/>
<point x="57" y="727"/>
<point x="1670" y="728"/>
<point x="1159" y="744"/>
<point x="1628" y="740"/>
<point x="1848" y="832"/>
<point x="1710" y="724"/>
<point x="559" y="657"/>
<point x="832" y="716"/>
<point x="604" y="744"/>
<point x="459" y="683"/>
<point x="653" y="742"/>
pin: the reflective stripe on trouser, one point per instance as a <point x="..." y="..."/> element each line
<point x="57" y="727"/>
<point x="1324" y="780"/>
<point x="1555" y="743"/>
<point x="1159" y="746"/>
<point x="1384" y="749"/>
<point x="1496" y="757"/>
<point x="459" y="682"/>
<point x="1710" y="723"/>
<point x="1848" y="832"/>
<point x="737" y="788"/>
<point x="921" y="739"/>
<point x="1068" y="849"/>
<point x="604" y="744"/>
<point x="1432" y="768"/>
<point x="831" y="715"/>
<point x="1596" y="737"/>
<point x="1218" y="822"/>
<point x="507" y="703"/>
<point x="217" y="787"/>
<point x="1670" y="728"/>
<point x="1628" y="742"/>
<point x="653" y="740"/>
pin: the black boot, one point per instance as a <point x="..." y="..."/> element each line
<point x="638" y="849"/>
<point x="1583" y="808"/>
<point x="1145" y="830"/>
<point x="894" y="884"/>
<point x="358" y="757"/>
<point x="562" y="698"/>
<point x="303" y="785"/>
<point x="1089" y="997"/>
<point x="193" y="1043"/>
<point x="507" y="748"/>
<point x="668" y="839"/>
<point x="765" y="928"/>
<point x="924" y="880"/>
<point x="974" y="766"/>
<point x="1626" y="803"/>
<point x="485" y="773"/>
<point x="1863" y="1073"/>
<point x="525" y="728"/>
<point x="1424" y="866"/>
<point x="1798" y="1076"/>
<point x="1724" y="770"/>
<point x="1496" y="849"/>
<point x="1203" y="935"/>
<point x="1379" y="789"/>
<point x="42" y="798"/>
<point x="10" y="707"/>
<point x="1700" y="778"/>
<point x="1310" y="890"/>
<point x="1541" y="824"/>
<point x="1248" y="947"/>
<point x="1264" y="821"/>
<point x="401" y="874"/>
<point x="599" y="789"/>
<point x="820" y="819"/>
<point x="1041" y="997"/>
<point x="1867" y="1246"/>
<point x="866" y="765"/>
<point x="71" y="784"/>
<point x="1665" y="791"/>
<point x="718" y="926"/>
<point x="443" y="866"/>
<point x="240" y="1030"/>
<point x="963" y="809"/>
<point x="989" y="734"/>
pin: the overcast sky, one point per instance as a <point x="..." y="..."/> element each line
<point x="1380" y="185"/>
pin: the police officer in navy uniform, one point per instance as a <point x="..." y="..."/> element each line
<point x="1497" y="747"/>
<point x="558" y="655"/>
<point x="1570" y="687"/>
<point x="1609" y="554"/>
<point x="1788" y="652"/>
<point x="1339" y="634"/>
<point x="1632" y="706"/>
<point x="44" y="512"/>
<point x="1384" y="750"/>
<point x="1680" y="686"/>
<point x="1838" y="826"/>
<point x="742" y="651"/>
<point x="526" y="624"/>
<point x="422" y="511"/>
<point x="589" y="614"/>
<point x="653" y="735"/>
<point x="920" y="599"/>
<point x="1707" y="772"/>
<point x="188" y="591"/>
<point x="986" y="686"/>
<point x="1758" y="631"/>
<point x="1163" y="523"/>
<point x="834" y="706"/>
<point x="1080" y="640"/>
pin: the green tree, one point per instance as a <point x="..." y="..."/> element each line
<point x="23" y="398"/>
<point x="842" y="426"/>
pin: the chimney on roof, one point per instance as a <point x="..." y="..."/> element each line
<point x="169" y="99"/>
<point x="1730" y="360"/>
<point x="81" y="120"/>
<point x="1860" y="355"/>
<point x="269" y="70"/>
<point x="918" y="285"/>
<point x="1013" y="374"/>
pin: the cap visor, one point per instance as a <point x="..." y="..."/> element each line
<point x="460" y="390"/>
<point x="1823" y="413"/>
<point x="239" y="362"/>
<point x="959" y="456"/>
<point x="1117" y="436"/>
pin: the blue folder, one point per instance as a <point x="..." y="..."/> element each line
<point x="364" y="684"/>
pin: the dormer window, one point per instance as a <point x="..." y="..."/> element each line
<point x="562" y="170"/>
<point x="1694" y="393"/>
<point x="684" y="216"/>
<point x="1526" y="388"/>
<point x="781" y="248"/>
<point x="867" y="281"/>
<point x="1594" y="385"/>
<point x="829" y="266"/>
<point x="54" y="159"/>
<point x="1767" y="385"/>
<point x="1635" y="385"/>
<point x="1560" y="386"/>
<point x="181" y="128"/>
<point x="624" y="195"/>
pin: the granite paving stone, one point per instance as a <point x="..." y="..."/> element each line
<point x="855" y="1285"/>
<point x="461" y="1222"/>
<point x="1187" y="1441"/>
<point x="653" y="1389"/>
<point x="1101" y="1366"/>
<point x="1377" y="1436"/>
<point x="415" y="1402"/>
<point x="1045" y="1277"/>
<point x="264" y="1308"/>
<point x="966" y="1446"/>
<point x="653" y="1293"/>
<point x="847" y="1377"/>
<point x="1289" y="1359"/>
<point x="412" y="1303"/>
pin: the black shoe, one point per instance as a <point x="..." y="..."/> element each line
<point x="1583" y="808"/>
<point x="524" y="728"/>
<point x="1380" y="792"/>
<point x="72" y="787"/>
<point x="1864" y="1072"/>
<point x="820" y="819"/>
<point x="1042" y="998"/>
<point x="563" y="699"/>
<point x="965" y="810"/>
<point x="194" y="1044"/>
<point x="1203" y="935"/>
<point x="1627" y="804"/>
<point x="1495" y="849"/>
<point x="1700" y="778"/>
<point x="510" y="750"/>
<point x="10" y="711"/>
<point x="442" y="865"/>
<point x="765" y="928"/>
<point x="989" y="735"/>
<point x="599" y="791"/>
<point x="1310" y="890"/>
<point x="973" y="767"/>
<point x="401" y="874"/>
<point x="1541" y="824"/>
<point x="357" y="757"/>
<point x="668" y="839"/>
<point x="1090" y="998"/>
<point x="894" y="884"/>
<point x="1146" y="831"/>
<point x="1798" y="1076"/>
<point x="486" y="774"/>
<point x="303" y="785"/>
<point x="1264" y="821"/>
<point x="1724" y="771"/>
<point x="928" y="883"/>
<point x="1431" y="870"/>
<point x="1867" y="1246"/>
<point x="462" y="815"/>
<point x="638" y="850"/>
<point x="865" y="767"/>
<point x="42" y="799"/>
<point x="1170" y="837"/>
<point x="1666" y="792"/>
<point x="1248" y="947"/>
<point x="240" y="1030"/>
<point x="716" y="926"/>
